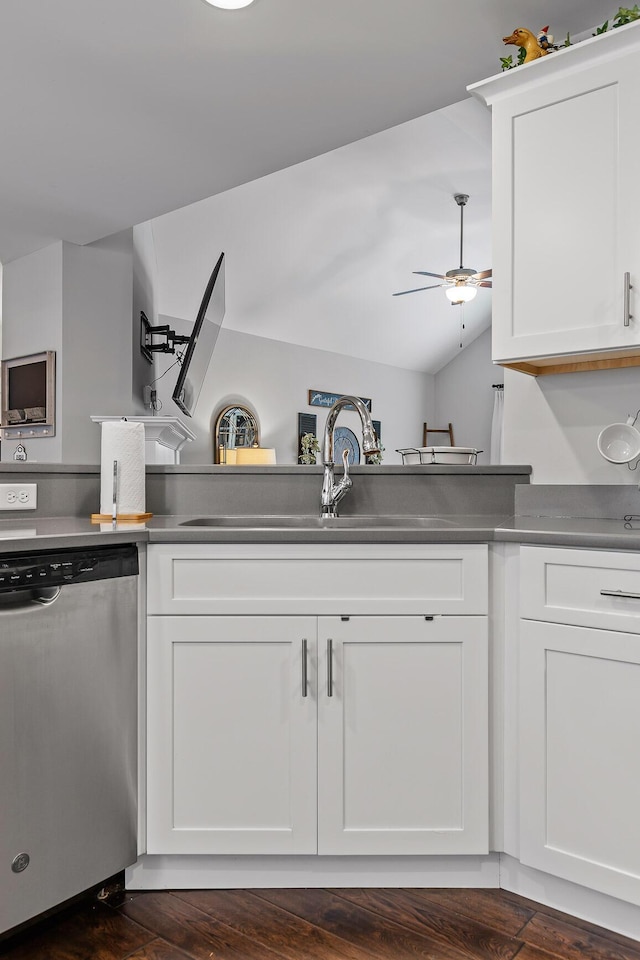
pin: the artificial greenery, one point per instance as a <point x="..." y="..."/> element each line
<point x="507" y="63"/>
<point x="623" y="16"/>
<point x="375" y="457"/>
<point x="309" y="446"/>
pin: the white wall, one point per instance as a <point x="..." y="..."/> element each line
<point x="32" y="313"/>
<point x="553" y="423"/>
<point x="274" y="378"/>
<point x="464" y="396"/>
<point x="144" y="299"/>
<point x="320" y="246"/>
<point x="315" y="252"/>
<point x="97" y="356"/>
<point x="77" y="301"/>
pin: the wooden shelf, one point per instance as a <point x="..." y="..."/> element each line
<point x="580" y="363"/>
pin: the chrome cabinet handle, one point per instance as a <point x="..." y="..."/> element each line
<point x="304" y="669"/>
<point x="627" y="299"/>
<point x="620" y="593"/>
<point x="329" y="668"/>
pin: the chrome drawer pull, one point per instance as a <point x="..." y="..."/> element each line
<point x="620" y="593"/>
<point x="304" y="669"/>
<point x="329" y="668"/>
<point x="627" y="299"/>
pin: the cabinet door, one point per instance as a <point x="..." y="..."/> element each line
<point x="402" y="745"/>
<point x="231" y="735"/>
<point x="579" y="757"/>
<point x="566" y="214"/>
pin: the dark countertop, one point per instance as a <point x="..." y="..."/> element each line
<point x="57" y="533"/>
<point x="554" y="531"/>
<point x="571" y="532"/>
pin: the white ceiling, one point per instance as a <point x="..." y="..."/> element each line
<point x="314" y="252"/>
<point x="116" y="112"/>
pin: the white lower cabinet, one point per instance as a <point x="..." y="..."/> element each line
<point x="580" y="719"/>
<point x="402" y="735"/>
<point x="340" y="734"/>
<point x="231" y="742"/>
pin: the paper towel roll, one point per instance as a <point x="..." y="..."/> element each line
<point x="122" y="441"/>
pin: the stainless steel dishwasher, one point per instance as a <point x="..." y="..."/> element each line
<point x="68" y="724"/>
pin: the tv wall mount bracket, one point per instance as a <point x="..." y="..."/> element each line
<point x="147" y="333"/>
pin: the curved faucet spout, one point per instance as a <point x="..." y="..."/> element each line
<point x="333" y="492"/>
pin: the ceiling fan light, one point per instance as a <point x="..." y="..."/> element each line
<point x="229" y="4"/>
<point x="460" y="293"/>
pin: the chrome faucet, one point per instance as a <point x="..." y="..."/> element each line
<point x="332" y="492"/>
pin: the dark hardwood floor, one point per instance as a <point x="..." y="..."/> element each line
<point x="336" y="924"/>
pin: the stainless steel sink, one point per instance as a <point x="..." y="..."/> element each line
<point x="321" y="523"/>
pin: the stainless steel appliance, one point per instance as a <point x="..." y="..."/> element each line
<point x="68" y="724"/>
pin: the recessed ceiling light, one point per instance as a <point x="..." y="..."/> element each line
<point x="229" y="4"/>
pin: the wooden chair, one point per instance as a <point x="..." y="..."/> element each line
<point x="426" y="430"/>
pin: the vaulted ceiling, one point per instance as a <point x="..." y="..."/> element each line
<point x="116" y="112"/>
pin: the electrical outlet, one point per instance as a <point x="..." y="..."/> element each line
<point x="18" y="496"/>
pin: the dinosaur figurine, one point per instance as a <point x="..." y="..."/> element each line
<point x="521" y="37"/>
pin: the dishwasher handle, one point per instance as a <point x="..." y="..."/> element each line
<point x="19" y="600"/>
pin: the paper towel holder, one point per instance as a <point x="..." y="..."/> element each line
<point x="117" y="465"/>
<point x="121" y="517"/>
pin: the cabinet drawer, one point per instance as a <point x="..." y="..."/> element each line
<point x="307" y="579"/>
<point x="592" y="588"/>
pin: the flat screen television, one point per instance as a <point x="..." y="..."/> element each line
<point x="197" y="355"/>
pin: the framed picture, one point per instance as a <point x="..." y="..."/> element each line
<point x="319" y="398"/>
<point x="28" y="396"/>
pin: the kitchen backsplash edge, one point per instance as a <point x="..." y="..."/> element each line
<point x="74" y="490"/>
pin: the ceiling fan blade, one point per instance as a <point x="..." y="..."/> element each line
<point x="482" y="275"/>
<point x="425" y="273"/>
<point x="416" y="290"/>
<point x="483" y="284"/>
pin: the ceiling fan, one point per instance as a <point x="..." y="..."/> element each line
<point x="460" y="284"/>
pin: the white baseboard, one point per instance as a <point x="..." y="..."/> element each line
<point x="570" y="897"/>
<point x="495" y="870"/>
<point x="216" y="873"/>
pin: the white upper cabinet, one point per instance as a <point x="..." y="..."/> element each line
<point x="566" y="214"/>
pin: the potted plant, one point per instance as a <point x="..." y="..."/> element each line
<point x="309" y="447"/>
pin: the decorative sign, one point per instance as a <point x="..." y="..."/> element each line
<point x="318" y="398"/>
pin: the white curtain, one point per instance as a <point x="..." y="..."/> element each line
<point x="496" y="425"/>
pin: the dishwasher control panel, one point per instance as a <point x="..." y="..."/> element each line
<point x="56" y="568"/>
